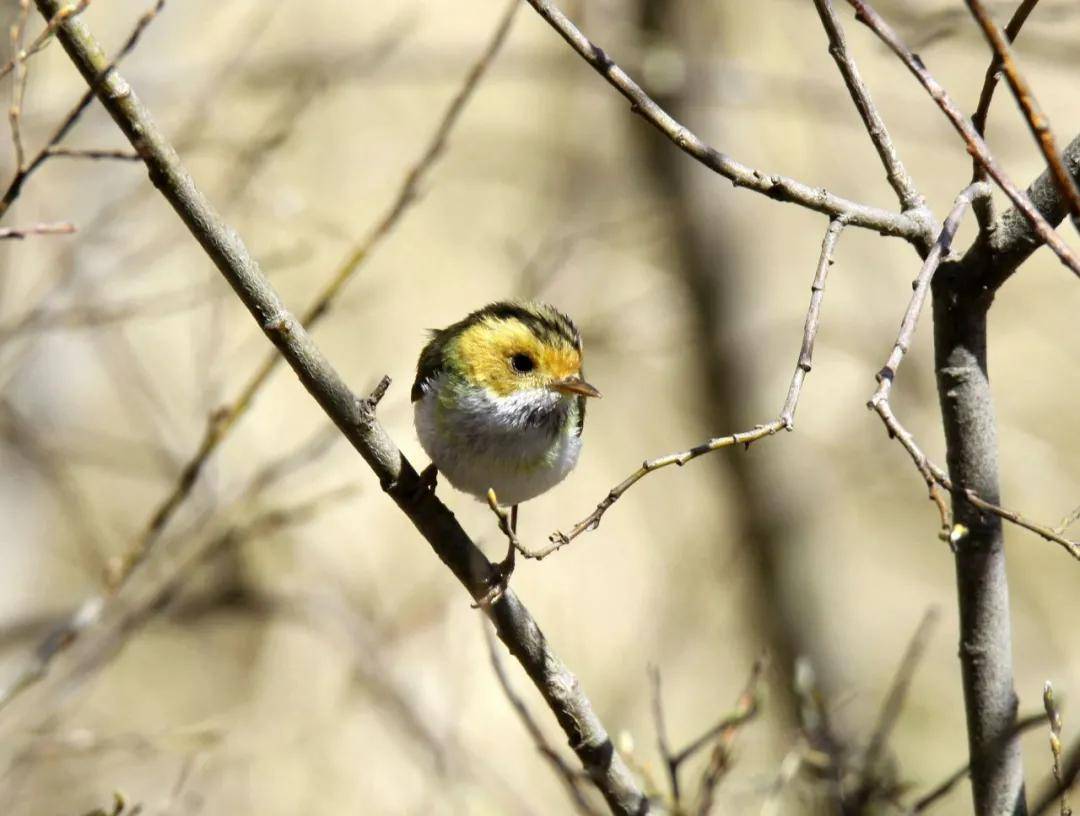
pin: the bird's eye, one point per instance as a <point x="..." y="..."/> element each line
<point x="522" y="363"/>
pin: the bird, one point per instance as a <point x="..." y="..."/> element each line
<point x="499" y="403"/>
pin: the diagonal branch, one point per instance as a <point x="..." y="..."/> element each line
<point x="225" y="418"/>
<point x="777" y="187"/>
<point x="357" y="422"/>
<point x="993" y="74"/>
<point x="895" y="171"/>
<point x="786" y="420"/>
<point x="976" y="146"/>
<point x="1025" y="98"/>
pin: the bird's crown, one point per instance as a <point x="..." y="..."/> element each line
<point x="507" y="347"/>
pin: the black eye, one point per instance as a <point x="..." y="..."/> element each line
<point x="522" y="363"/>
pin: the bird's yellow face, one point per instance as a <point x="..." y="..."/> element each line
<point x="507" y="356"/>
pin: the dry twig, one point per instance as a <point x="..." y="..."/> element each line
<point x="18" y="233"/>
<point x="947" y="785"/>
<point x="786" y="420"/>
<point x="26" y="168"/>
<point x="724" y="732"/>
<point x="570" y="778"/>
<point x="869" y="778"/>
<point x="895" y="172"/>
<point x="976" y="146"/>
<point x="774" y="186"/>
<point x="1025" y="98"/>
<point x="1054" y="718"/>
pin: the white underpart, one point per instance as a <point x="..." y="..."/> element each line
<point x="483" y="442"/>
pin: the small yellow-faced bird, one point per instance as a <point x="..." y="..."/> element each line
<point x="499" y="400"/>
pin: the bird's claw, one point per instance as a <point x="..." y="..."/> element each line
<point x="500" y="581"/>
<point x="425" y="484"/>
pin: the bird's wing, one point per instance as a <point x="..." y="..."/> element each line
<point x="430" y="364"/>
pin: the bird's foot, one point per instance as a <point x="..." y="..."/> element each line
<point x="500" y="580"/>
<point x="429" y="478"/>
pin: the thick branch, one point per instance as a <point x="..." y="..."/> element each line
<point x="356" y="420"/>
<point x="967" y="413"/>
<point x="993" y="258"/>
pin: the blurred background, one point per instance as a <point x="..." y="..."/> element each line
<point x="292" y="645"/>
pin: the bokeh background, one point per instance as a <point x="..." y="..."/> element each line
<point x="293" y="645"/>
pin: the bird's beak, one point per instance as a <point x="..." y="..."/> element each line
<point x="574" y="385"/>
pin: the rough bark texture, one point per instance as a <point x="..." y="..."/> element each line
<point x="982" y="587"/>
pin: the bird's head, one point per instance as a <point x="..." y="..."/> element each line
<point x="514" y="348"/>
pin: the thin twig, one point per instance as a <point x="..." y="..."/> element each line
<point x="1054" y="718"/>
<point x="879" y="402"/>
<point x="221" y="423"/>
<point x="746" y="708"/>
<point x="92" y="153"/>
<point x="18" y="233"/>
<point x="895" y="172"/>
<point x="1033" y="114"/>
<point x="662" y="744"/>
<point x="891" y="708"/>
<point x="42" y="39"/>
<point x="24" y="171"/>
<point x="786" y="421"/>
<point x="1070" y="773"/>
<point x="946" y="786"/>
<point x="571" y="780"/>
<point x="356" y="420"/>
<point x="725" y="733"/>
<point x="976" y="146"/>
<point x="990" y="81"/>
<point x="18" y="86"/>
<point x="774" y="186"/>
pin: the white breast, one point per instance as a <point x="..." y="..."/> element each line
<point x="483" y="442"/>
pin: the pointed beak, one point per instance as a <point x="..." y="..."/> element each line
<point x="574" y="385"/>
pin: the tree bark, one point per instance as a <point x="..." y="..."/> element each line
<point x="967" y="412"/>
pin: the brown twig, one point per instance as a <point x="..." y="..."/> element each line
<point x="92" y="153"/>
<point x="1070" y="773"/>
<point x="25" y="169"/>
<point x="42" y="39"/>
<point x="890" y="710"/>
<point x="18" y="233"/>
<point x="1054" y="718"/>
<point x="879" y="402"/>
<point x="221" y="423"/>
<point x="990" y="81"/>
<point x="570" y="779"/>
<point x="976" y="146"/>
<point x="946" y="786"/>
<point x="786" y="421"/>
<point x="746" y="708"/>
<point x="895" y="172"/>
<point x="774" y="186"/>
<point x="18" y="86"/>
<point x="725" y="732"/>
<point x="1025" y="98"/>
